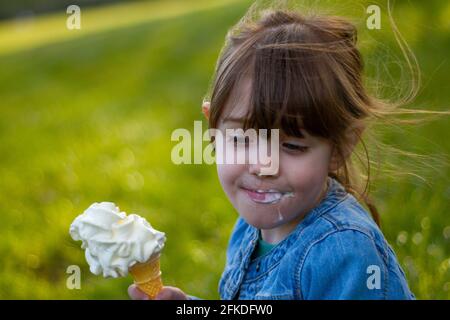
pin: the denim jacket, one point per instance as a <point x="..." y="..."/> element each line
<point x="336" y="252"/>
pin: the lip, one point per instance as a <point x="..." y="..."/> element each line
<point x="269" y="196"/>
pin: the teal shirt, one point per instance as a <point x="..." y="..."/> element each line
<point x="262" y="247"/>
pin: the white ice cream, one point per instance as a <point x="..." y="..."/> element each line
<point x="114" y="241"/>
<point x="275" y="197"/>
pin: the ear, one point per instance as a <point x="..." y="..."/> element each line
<point x="353" y="137"/>
<point x="205" y="109"/>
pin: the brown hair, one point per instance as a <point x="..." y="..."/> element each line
<point x="306" y="73"/>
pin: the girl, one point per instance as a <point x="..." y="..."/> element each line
<point x="302" y="232"/>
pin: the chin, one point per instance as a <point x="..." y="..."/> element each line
<point x="259" y="222"/>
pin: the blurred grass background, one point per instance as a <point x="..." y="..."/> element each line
<point x="87" y="116"/>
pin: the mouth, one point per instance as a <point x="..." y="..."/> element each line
<point x="267" y="196"/>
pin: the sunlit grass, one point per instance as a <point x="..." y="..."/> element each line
<point x="24" y="33"/>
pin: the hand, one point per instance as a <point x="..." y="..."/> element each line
<point x="167" y="293"/>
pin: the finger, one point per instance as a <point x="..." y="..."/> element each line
<point x="136" y="294"/>
<point x="171" y="293"/>
<point x="164" y="294"/>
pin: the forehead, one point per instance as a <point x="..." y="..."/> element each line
<point x="238" y="103"/>
<point x="237" y="106"/>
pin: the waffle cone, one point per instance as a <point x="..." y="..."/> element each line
<point x="147" y="276"/>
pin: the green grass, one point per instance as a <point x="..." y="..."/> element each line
<point x="89" y="118"/>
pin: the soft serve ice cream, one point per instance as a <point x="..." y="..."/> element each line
<point x="114" y="241"/>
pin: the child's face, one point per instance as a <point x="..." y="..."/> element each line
<point x="302" y="175"/>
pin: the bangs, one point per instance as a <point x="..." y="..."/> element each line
<point x="289" y="87"/>
<point x="290" y="91"/>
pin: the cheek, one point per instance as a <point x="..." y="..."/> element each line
<point x="305" y="172"/>
<point x="228" y="175"/>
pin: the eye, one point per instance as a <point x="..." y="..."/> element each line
<point x="240" y="139"/>
<point x="294" y="147"/>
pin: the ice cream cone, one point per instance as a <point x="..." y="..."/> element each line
<point x="147" y="276"/>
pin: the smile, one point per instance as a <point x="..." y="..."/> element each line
<point x="267" y="196"/>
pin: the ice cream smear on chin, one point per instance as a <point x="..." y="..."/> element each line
<point x="114" y="241"/>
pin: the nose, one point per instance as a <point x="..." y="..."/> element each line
<point x="264" y="158"/>
<point x="261" y="170"/>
